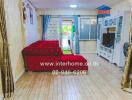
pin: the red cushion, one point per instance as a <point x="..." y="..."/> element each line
<point x="43" y="51"/>
<point x="42" y="63"/>
<point x="45" y="43"/>
<point x="74" y="62"/>
<point x="72" y="57"/>
<point x="37" y="63"/>
<point x="44" y="48"/>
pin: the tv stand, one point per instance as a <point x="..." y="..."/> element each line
<point x="120" y="26"/>
<point x="106" y="52"/>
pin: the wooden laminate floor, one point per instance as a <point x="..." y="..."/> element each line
<point x="101" y="83"/>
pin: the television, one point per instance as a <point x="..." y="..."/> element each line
<point x="108" y="39"/>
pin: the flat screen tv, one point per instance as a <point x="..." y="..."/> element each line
<point x="108" y="39"/>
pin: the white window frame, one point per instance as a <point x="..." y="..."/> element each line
<point x="79" y="27"/>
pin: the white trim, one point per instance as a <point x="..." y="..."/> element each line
<point x="16" y="79"/>
<point x="88" y="52"/>
<point x="88" y="39"/>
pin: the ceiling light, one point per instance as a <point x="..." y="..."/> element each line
<point x="73" y="6"/>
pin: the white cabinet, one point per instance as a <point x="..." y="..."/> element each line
<point x="124" y="37"/>
<point x="106" y="53"/>
<point x="120" y="27"/>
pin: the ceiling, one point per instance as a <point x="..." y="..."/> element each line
<point x="82" y="4"/>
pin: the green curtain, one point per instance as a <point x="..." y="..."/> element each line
<point x="73" y="30"/>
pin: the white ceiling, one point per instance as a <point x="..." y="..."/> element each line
<point x="82" y="4"/>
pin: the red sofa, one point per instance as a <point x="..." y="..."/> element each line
<point x="48" y="56"/>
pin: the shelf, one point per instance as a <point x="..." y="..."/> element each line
<point x="110" y="26"/>
<point x="106" y="47"/>
<point x="106" y="52"/>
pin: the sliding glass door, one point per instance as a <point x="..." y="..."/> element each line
<point x="88" y="28"/>
<point x="88" y="34"/>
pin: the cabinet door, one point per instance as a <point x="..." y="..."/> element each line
<point x="106" y="23"/>
<point x="119" y="29"/>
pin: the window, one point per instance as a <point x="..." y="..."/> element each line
<point x="88" y="28"/>
<point x="53" y="29"/>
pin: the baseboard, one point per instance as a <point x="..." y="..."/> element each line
<point x="88" y="52"/>
<point x="19" y="76"/>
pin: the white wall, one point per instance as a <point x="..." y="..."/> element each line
<point x="65" y="12"/>
<point x="31" y="30"/>
<point x="120" y="8"/>
<point x="130" y="1"/>
<point x="15" y="36"/>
